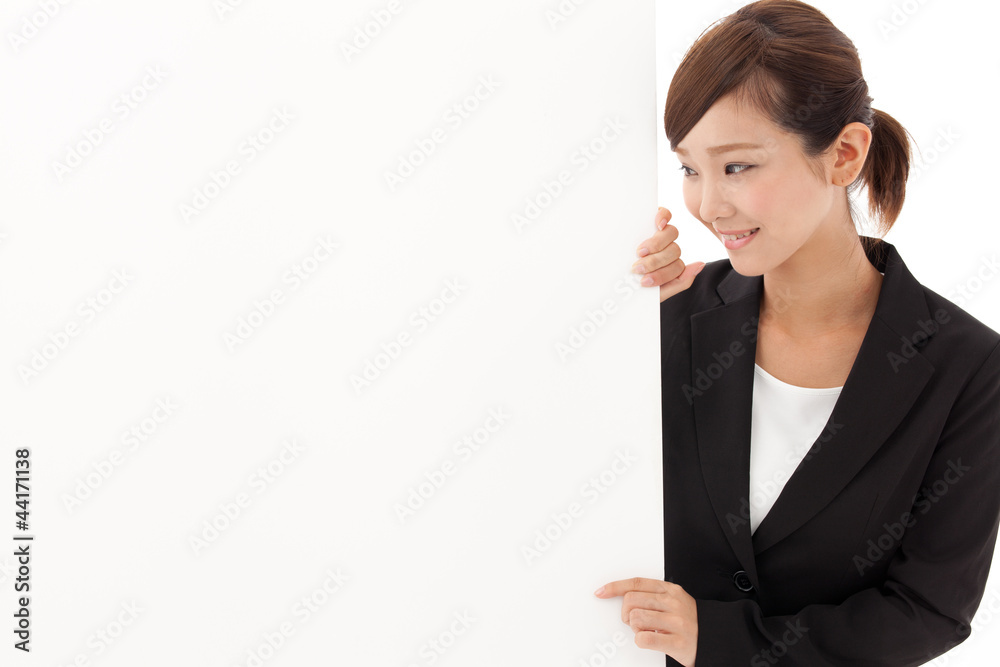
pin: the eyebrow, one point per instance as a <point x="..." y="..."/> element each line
<point x="725" y="148"/>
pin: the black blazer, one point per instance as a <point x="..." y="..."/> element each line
<point x="877" y="550"/>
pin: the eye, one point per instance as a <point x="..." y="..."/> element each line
<point x="740" y="169"/>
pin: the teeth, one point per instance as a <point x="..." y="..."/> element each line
<point x="733" y="237"/>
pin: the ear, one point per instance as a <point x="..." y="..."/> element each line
<point x="849" y="153"/>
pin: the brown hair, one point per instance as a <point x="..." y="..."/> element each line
<point x="787" y="60"/>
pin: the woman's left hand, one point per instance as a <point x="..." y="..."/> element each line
<point x="662" y="615"/>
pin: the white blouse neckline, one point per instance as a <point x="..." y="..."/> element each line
<point x="793" y="387"/>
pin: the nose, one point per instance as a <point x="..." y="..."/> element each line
<point x="715" y="201"/>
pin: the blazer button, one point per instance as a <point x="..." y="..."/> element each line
<point x="742" y="581"/>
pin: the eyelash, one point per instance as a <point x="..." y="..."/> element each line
<point x="745" y="168"/>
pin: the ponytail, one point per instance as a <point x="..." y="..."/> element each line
<point x="886" y="169"/>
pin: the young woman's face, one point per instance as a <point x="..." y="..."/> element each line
<point x="761" y="181"/>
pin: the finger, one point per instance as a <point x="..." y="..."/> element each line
<point x="667" y="633"/>
<point x="663" y="216"/>
<point x="663" y="642"/>
<point x="638" y="600"/>
<point x="657" y="241"/>
<point x="623" y="586"/>
<point x="648" y="620"/>
<point x="657" y="260"/>
<point x="664" y="274"/>
<point x="661" y="620"/>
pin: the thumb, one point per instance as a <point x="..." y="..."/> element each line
<point x="681" y="282"/>
<point x="688" y="274"/>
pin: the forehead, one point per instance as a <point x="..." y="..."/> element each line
<point x="728" y="126"/>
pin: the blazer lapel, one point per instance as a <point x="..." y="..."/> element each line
<point x="722" y="358"/>
<point x="887" y="376"/>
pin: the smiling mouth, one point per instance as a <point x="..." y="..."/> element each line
<point x="733" y="237"/>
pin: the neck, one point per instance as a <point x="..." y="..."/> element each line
<point x="827" y="286"/>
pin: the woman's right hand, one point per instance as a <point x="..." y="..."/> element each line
<point x="660" y="260"/>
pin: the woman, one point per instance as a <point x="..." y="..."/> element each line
<point x="831" y="427"/>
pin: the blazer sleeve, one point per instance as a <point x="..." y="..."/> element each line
<point x="934" y="582"/>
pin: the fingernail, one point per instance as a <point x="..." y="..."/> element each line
<point x="647" y="281"/>
<point x="643" y="251"/>
<point x="638" y="268"/>
<point x="599" y="590"/>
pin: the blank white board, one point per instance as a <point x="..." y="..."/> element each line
<point x="320" y="336"/>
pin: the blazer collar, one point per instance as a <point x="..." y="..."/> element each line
<point x="887" y="376"/>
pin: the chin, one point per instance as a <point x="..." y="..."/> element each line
<point x="746" y="266"/>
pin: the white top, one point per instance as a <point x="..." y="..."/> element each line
<point x="786" y="421"/>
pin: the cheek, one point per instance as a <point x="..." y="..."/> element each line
<point x="791" y="194"/>
<point x="761" y="202"/>
<point x="765" y="198"/>
<point x="773" y="201"/>
<point x="810" y="198"/>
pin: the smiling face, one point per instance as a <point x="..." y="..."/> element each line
<point x="743" y="172"/>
